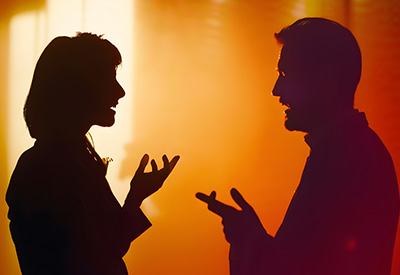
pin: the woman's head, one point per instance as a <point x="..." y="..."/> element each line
<point x="73" y="86"/>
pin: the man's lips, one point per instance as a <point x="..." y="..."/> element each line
<point x="285" y="104"/>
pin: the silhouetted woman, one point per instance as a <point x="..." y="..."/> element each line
<point x="64" y="217"/>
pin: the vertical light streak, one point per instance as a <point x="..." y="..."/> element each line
<point x="31" y="31"/>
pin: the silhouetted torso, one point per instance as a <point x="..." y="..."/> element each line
<point x="64" y="217"/>
<point x="343" y="217"/>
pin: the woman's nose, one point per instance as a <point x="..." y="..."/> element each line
<point x="120" y="91"/>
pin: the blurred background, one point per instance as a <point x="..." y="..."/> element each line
<point x="198" y="76"/>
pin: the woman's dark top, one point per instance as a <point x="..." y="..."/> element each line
<point x="64" y="218"/>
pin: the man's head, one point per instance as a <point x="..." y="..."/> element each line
<point x="319" y="70"/>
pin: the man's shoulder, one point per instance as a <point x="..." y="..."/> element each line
<point x="367" y="146"/>
<point x="354" y="140"/>
<point x="355" y="157"/>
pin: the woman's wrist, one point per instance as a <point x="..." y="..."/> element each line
<point x="132" y="201"/>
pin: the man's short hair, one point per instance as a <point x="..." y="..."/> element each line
<point x="322" y="44"/>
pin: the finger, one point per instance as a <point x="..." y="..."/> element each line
<point x="168" y="166"/>
<point x="216" y="206"/>
<point x="221" y="209"/>
<point x="154" y="165"/>
<point x="238" y="198"/>
<point x="143" y="163"/>
<point x="166" y="162"/>
<point x="173" y="162"/>
<point x="203" y="197"/>
<point x="213" y="195"/>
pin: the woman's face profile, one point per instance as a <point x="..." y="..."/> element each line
<point x="105" y="95"/>
<point x="74" y="87"/>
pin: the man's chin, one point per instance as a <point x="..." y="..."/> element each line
<point x="291" y="126"/>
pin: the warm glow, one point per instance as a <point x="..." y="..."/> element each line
<point x="198" y="77"/>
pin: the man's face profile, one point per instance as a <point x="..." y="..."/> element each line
<point x="299" y="91"/>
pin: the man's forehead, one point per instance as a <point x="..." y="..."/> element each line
<point x="282" y="60"/>
<point x="288" y="59"/>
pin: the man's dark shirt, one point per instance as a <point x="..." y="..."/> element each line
<point x="343" y="217"/>
<point x="64" y="218"/>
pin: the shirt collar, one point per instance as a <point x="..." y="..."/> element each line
<point x="312" y="139"/>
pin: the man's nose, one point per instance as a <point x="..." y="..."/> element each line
<point x="276" y="91"/>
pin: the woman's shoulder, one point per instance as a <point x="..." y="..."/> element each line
<point x="42" y="166"/>
<point x="42" y="156"/>
<point x="28" y="180"/>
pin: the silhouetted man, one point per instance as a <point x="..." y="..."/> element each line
<point x="344" y="214"/>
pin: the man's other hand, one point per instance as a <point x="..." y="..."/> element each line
<point x="237" y="223"/>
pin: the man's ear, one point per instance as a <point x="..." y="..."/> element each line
<point x="328" y="84"/>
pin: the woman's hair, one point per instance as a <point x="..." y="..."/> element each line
<point x="64" y="80"/>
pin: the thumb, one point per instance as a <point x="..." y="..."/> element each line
<point x="238" y="198"/>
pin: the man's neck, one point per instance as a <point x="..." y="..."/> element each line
<point x="331" y="122"/>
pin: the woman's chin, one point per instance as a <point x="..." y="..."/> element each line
<point x="106" y="121"/>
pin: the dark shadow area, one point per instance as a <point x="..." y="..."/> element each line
<point x="64" y="218"/>
<point x="344" y="214"/>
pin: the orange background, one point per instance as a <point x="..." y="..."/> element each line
<point x="203" y="77"/>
